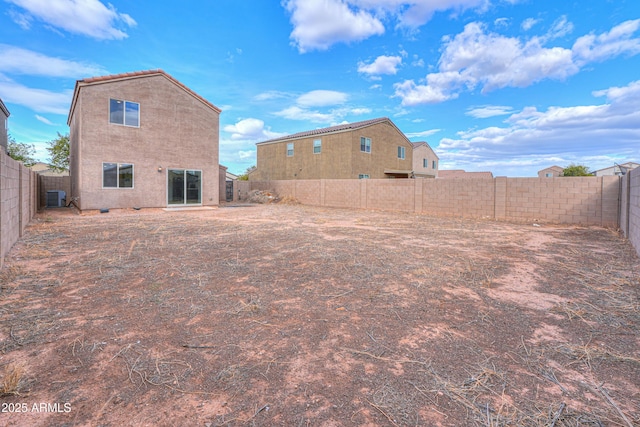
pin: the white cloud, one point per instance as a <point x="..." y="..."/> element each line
<point x="319" y="24"/>
<point x="618" y="41"/>
<point x="297" y="113"/>
<point x="38" y="100"/>
<point x="15" y="60"/>
<point x="382" y="65"/>
<point x="529" y="23"/>
<point x="570" y="133"/>
<point x="322" y="98"/>
<point x="250" y="130"/>
<point x="87" y="17"/>
<point x="476" y="58"/>
<point x="423" y="134"/>
<point x="44" y="120"/>
<point x="489" y="111"/>
<point x="269" y="95"/>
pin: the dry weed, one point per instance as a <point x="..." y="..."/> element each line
<point x="12" y="380"/>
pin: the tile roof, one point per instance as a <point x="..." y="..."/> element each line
<point x="332" y="129"/>
<point x="133" y="75"/>
<point x="4" y="109"/>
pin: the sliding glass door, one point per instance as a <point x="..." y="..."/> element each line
<point x="184" y="187"/>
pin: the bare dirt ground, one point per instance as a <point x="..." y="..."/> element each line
<point x="283" y="315"/>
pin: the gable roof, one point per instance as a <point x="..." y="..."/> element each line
<point x="334" y="129"/>
<point x="4" y="108"/>
<point x="552" y="168"/>
<point x="426" y="144"/>
<point x="628" y="165"/>
<point x="128" y="76"/>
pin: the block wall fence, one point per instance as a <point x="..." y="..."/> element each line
<point x="567" y="200"/>
<point x="630" y="207"/>
<point x="18" y="201"/>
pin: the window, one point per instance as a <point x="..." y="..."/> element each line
<point x="124" y="113"/>
<point x="363" y="176"/>
<point x="401" y="153"/>
<point x="117" y="175"/>
<point x="435" y="164"/>
<point x="290" y="149"/>
<point x="317" y="146"/>
<point x="548" y="175"/>
<point x="365" y="144"/>
<point x="425" y="163"/>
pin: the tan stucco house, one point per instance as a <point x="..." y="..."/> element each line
<point x="425" y="160"/>
<point x="462" y="174"/>
<point x="617" y="169"/>
<point x="551" y="172"/>
<point x="367" y="149"/>
<point x="142" y="139"/>
<point x="4" y="127"/>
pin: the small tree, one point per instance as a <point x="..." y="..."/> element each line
<point x="245" y="175"/>
<point x="59" y="153"/>
<point x="21" y="151"/>
<point x="576" y="170"/>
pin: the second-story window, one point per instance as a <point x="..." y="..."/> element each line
<point x="401" y="153"/>
<point x="317" y="146"/>
<point x="290" y="149"/>
<point x="425" y="163"/>
<point x="124" y="113"/>
<point x="365" y="144"/>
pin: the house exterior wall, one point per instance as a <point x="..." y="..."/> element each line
<point x="615" y="170"/>
<point x="4" y="127"/>
<point x="176" y="131"/>
<point x="554" y="171"/>
<point x="340" y="156"/>
<point x="421" y="153"/>
<point x="630" y="207"/>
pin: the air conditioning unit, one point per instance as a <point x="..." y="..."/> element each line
<point x="56" y="198"/>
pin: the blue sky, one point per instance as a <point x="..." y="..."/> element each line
<point x="508" y="86"/>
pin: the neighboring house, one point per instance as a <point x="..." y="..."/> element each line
<point x="368" y="149"/>
<point x="142" y="139"/>
<point x="462" y="174"/>
<point x="425" y="160"/>
<point x="45" y="170"/>
<point x="551" y="172"/>
<point x="616" y="169"/>
<point x="4" y="127"/>
<point x="227" y="184"/>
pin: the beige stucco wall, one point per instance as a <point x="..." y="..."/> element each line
<point x="177" y="131"/>
<point x="420" y="153"/>
<point x="340" y="158"/>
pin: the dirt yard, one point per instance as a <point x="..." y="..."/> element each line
<point x="285" y="315"/>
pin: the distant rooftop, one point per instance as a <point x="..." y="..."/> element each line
<point x="332" y="129"/>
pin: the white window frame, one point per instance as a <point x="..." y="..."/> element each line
<point x="401" y="152"/>
<point x="124" y="113"/>
<point x="317" y="143"/>
<point x="425" y="163"/>
<point x="363" y="176"/>
<point x="290" y="149"/>
<point x="435" y="164"/>
<point x="367" y="144"/>
<point x="117" y="186"/>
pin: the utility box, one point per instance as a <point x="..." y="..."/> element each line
<point x="56" y="198"/>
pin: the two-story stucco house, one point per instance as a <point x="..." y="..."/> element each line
<point x="425" y="160"/>
<point x="368" y="149"/>
<point x="142" y="139"/>
<point x="4" y="127"/>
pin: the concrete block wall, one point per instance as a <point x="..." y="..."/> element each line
<point x="630" y="207"/>
<point x="18" y="201"/>
<point x="568" y="200"/>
